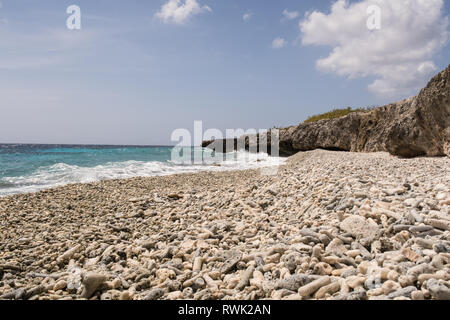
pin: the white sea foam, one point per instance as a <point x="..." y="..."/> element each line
<point x="62" y="174"/>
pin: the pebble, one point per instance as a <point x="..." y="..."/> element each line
<point x="329" y="225"/>
<point x="66" y="256"/>
<point x="91" y="282"/>
<point x="359" y="227"/>
<point x="125" y="296"/>
<point x="294" y="282"/>
<point x="245" y="278"/>
<point x="198" y="262"/>
<point x="355" y="295"/>
<point x="438" y="290"/>
<point x="60" y="285"/>
<point x="417" y="295"/>
<point x="309" y="289"/>
<point x="330" y="289"/>
<point x="154" y="294"/>
<point x="404" y="292"/>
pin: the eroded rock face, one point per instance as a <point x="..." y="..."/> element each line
<point x="418" y="126"/>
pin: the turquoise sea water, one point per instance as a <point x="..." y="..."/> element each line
<point x="28" y="168"/>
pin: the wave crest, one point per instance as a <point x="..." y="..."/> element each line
<point x="61" y="174"/>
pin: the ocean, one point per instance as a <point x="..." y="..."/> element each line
<point x="29" y="167"/>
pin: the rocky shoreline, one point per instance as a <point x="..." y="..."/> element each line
<point x="418" y="126"/>
<point x="329" y="225"/>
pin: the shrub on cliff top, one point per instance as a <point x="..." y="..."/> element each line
<point x="336" y="113"/>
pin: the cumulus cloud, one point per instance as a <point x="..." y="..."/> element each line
<point x="179" y="11"/>
<point x="247" y="16"/>
<point x="290" y="15"/>
<point x="399" y="55"/>
<point x="278" y="43"/>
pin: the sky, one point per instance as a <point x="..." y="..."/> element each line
<point x="137" y="70"/>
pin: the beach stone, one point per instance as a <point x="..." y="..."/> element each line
<point x="356" y="295"/>
<point x="438" y="290"/>
<point x="312" y="287"/>
<point x="164" y="274"/>
<point x="294" y="282"/>
<point x="245" y="278"/>
<point x="390" y="286"/>
<point x="439" y="224"/>
<point x="404" y="292"/>
<point x="62" y="284"/>
<point x="66" y="256"/>
<point x="427" y="244"/>
<point x="349" y="272"/>
<point x="419" y="269"/>
<point x="355" y="281"/>
<point x="336" y="246"/>
<point x="188" y="293"/>
<point x="91" y="282"/>
<point x="406" y="281"/>
<point x="199" y="284"/>
<point x="148" y="244"/>
<point x="18" y="294"/>
<point x="231" y="262"/>
<point x="330" y="289"/>
<point x="411" y="255"/>
<point x="175" y="196"/>
<point x="154" y="294"/>
<point x="34" y="291"/>
<point x="317" y="252"/>
<point x="417" y="295"/>
<point x="176" y="295"/>
<point x="440" y="187"/>
<point x="125" y="296"/>
<point x="198" y="262"/>
<point x="359" y="227"/>
<point x="74" y="279"/>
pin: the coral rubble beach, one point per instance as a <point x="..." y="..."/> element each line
<point x="329" y="225"/>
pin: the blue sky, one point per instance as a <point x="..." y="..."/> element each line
<point x="129" y="76"/>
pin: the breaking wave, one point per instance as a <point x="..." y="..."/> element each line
<point x="61" y="173"/>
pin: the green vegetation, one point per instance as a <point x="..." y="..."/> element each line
<point x="336" y="113"/>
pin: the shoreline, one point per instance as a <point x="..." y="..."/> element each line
<point x="319" y="229"/>
<point x="118" y="181"/>
<point x="60" y="173"/>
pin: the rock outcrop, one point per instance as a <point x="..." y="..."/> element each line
<point x="418" y="126"/>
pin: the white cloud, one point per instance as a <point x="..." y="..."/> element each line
<point x="278" y="43"/>
<point x="247" y="16"/>
<point x="179" y="11"/>
<point x="290" y="15"/>
<point x="399" y="55"/>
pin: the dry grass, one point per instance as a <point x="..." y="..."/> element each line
<point x="336" y="113"/>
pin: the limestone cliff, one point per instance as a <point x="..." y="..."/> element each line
<point x="418" y="126"/>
